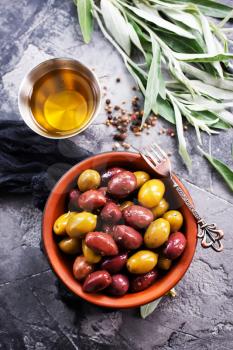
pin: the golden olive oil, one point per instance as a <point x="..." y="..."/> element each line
<point x="62" y="101"/>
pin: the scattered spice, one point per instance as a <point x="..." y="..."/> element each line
<point x="130" y="120"/>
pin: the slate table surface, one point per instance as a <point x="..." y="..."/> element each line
<point x="34" y="311"/>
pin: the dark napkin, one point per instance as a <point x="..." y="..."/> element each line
<point x="31" y="164"/>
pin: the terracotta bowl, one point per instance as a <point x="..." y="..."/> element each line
<point x="62" y="266"/>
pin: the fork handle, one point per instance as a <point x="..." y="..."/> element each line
<point x="209" y="234"/>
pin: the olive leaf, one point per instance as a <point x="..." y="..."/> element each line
<point x="116" y="24"/>
<point x="189" y="19"/>
<point x="135" y="39"/>
<point x="208" y="7"/>
<point x="210" y="43"/>
<point x="146" y="310"/>
<point x="180" y="134"/>
<point x="222" y="168"/>
<point x="148" y="14"/>
<point x="204" y="57"/>
<point x="152" y="87"/>
<point x="84" y="8"/>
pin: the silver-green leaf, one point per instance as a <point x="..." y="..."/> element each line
<point x="135" y="39"/>
<point x="147" y="309"/>
<point x="148" y="14"/>
<point x="222" y="168"/>
<point x="203" y="57"/>
<point x="180" y="134"/>
<point x="152" y="87"/>
<point x="84" y="8"/>
<point x="116" y="24"/>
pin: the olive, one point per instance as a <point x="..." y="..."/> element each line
<point x="137" y="216"/>
<point x="122" y="184"/>
<point x="108" y="174"/>
<point x="151" y="193"/>
<point x="81" y="268"/>
<point x="88" y="180"/>
<point x="164" y="263"/>
<point x="59" y="226"/>
<point x="114" y="264"/>
<point x="111" y="213"/>
<point x="70" y="245"/>
<point x="125" y="205"/>
<point x="160" y="209"/>
<point x="175" y="245"/>
<point x="107" y="228"/>
<point x="175" y="219"/>
<point x="91" y="200"/>
<point x="127" y="237"/>
<point x="89" y="254"/>
<point x="119" y="285"/>
<point x="97" y="281"/>
<point x="157" y="233"/>
<point x="142" y="282"/>
<point x="141" y="177"/>
<point x="81" y="223"/>
<point x="142" y="262"/>
<point x="102" y="243"/>
<point x="73" y="199"/>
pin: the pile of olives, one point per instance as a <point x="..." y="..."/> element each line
<point x="120" y="231"/>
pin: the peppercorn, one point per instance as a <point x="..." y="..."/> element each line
<point x="120" y="137"/>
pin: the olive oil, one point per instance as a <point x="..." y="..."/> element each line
<point x="62" y="101"/>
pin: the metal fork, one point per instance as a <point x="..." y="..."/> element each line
<point x="158" y="160"/>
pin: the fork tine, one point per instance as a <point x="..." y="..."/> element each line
<point x="155" y="157"/>
<point x="160" y="149"/>
<point x="156" y="154"/>
<point x="148" y="161"/>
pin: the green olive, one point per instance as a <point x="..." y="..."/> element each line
<point x="141" y="177"/>
<point x="142" y="262"/>
<point x="59" y="226"/>
<point x="175" y="219"/>
<point x="126" y="204"/>
<point x="88" y="180"/>
<point x="164" y="263"/>
<point x="157" y="233"/>
<point x="151" y="193"/>
<point x="160" y="209"/>
<point x="90" y="256"/>
<point x="80" y="224"/>
<point x="70" y="245"/>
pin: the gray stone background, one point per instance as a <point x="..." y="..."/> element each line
<point x="32" y="313"/>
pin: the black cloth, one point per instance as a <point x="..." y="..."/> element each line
<point x="31" y="164"/>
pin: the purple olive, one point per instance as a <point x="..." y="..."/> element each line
<point x="111" y="213"/>
<point x="119" y="285"/>
<point x="115" y="264"/>
<point x="108" y="174"/>
<point x="122" y="184"/>
<point x="175" y="245"/>
<point x="73" y="200"/>
<point x="142" y="282"/>
<point x="127" y="237"/>
<point x="102" y="243"/>
<point x="138" y="216"/>
<point x="91" y="200"/>
<point x="97" y="281"/>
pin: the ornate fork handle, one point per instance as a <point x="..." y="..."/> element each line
<point x="209" y="233"/>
